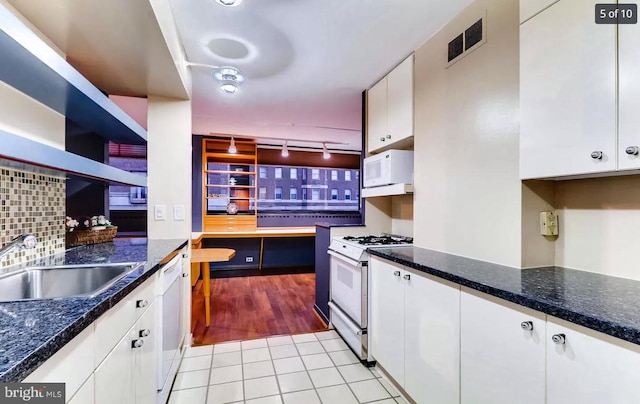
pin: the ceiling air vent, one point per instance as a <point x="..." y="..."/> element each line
<point x="468" y="41"/>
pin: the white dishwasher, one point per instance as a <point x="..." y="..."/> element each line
<point x="169" y="298"/>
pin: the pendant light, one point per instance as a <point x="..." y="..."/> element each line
<point x="232" y="146"/>
<point x="325" y="152"/>
<point x="285" y="150"/>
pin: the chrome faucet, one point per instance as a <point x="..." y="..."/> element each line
<point x="20" y="243"/>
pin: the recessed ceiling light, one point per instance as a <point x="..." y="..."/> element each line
<point x="229" y="87"/>
<point x="229" y="78"/>
<point x="229" y="3"/>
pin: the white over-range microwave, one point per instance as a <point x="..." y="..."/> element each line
<point x="389" y="167"/>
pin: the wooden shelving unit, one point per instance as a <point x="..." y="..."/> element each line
<point x="229" y="178"/>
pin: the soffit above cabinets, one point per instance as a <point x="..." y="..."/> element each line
<point x="117" y="45"/>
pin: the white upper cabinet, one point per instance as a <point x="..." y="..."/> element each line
<point x="567" y="92"/>
<point x="587" y="367"/>
<point x="377" y="115"/>
<point x="502" y="351"/>
<point x="390" y="109"/>
<point x="629" y="96"/>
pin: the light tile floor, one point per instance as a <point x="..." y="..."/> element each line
<point x="315" y="368"/>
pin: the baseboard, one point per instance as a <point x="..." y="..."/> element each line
<point x="232" y="273"/>
<point x="320" y="314"/>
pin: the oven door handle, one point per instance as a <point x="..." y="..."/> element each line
<point x="348" y="322"/>
<point x="346" y="259"/>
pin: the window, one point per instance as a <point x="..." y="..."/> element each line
<point x="347" y="175"/>
<point x="263" y="172"/>
<point x="334" y="175"/>
<point x="315" y="194"/>
<point x="305" y="189"/>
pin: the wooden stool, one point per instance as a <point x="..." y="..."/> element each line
<point x="204" y="256"/>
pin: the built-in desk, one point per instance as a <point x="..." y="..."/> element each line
<point x="261" y="233"/>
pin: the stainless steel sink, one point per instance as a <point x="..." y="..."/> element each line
<point x="61" y="281"/>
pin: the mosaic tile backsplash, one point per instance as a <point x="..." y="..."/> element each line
<point x="31" y="203"/>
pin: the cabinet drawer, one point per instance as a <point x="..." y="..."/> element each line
<point x="85" y="393"/>
<point x="230" y="223"/>
<point x="112" y="325"/>
<point x="69" y="365"/>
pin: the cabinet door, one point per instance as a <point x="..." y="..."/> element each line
<point x="500" y="361"/>
<point x="590" y="368"/>
<point x="114" y="376"/>
<point x="387" y="317"/>
<point x="86" y="393"/>
<point x="567" y="92"/>
<point x="145" y="358"/>
<point x="432" y="339"/>
<point x="400" y="102"/>
<point x="629" y="96"/>
<point x="377" y="116"/>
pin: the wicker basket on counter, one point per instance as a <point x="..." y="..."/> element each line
<point x="93" y="236"/>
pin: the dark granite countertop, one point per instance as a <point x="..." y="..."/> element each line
<point x="32" y="331"/>
<point x="603" y="303"/>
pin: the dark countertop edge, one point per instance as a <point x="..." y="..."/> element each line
<point x="45" y="351"/>
<point x="329" y="225"/>
<point x="606" y="327"/>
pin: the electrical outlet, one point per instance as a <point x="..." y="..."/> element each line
<point x="548" y="224"/>
<point x="249" y="259"/>
<point x="160" y="212"/>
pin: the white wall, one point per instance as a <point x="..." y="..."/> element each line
<point x="599" y="222"/>
<point x="169" y="165"/>
<point x="402" y="215"/>
<point x="467" y="190"/>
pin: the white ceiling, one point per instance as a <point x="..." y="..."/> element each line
<point x="306" y="61"/>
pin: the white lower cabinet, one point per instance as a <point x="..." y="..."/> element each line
<point x="502" y="351"/>
<point x="86" y="394"/>
<point x="590" y="367"/>
<point x="416" y="331"/>
<point x="131" y="366"/>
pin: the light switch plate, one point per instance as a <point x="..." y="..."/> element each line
<point x="160" y="212"/>
<point x="178" y="212"/>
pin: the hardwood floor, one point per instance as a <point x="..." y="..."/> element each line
<point x="254" y="307"/>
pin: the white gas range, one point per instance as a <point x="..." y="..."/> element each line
<point x="349" y="304"/>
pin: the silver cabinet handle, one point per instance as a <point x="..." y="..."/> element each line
<point x="597" y="155"/>
<point x="396" y="273"/>
<point x="185" y="275"/>
<point x="388" y="136"/>
<point x="142" y="303"/>
<point x="382" y="139"/>
<point x="407" y="277"/>
<point x="137" y="343"/>
<point x="632" y="150"/>
<point x="185" y="255"/>
<point x="559" y="339"/>
<point x="527" y="325"/>
<point x="145" y="332"/>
